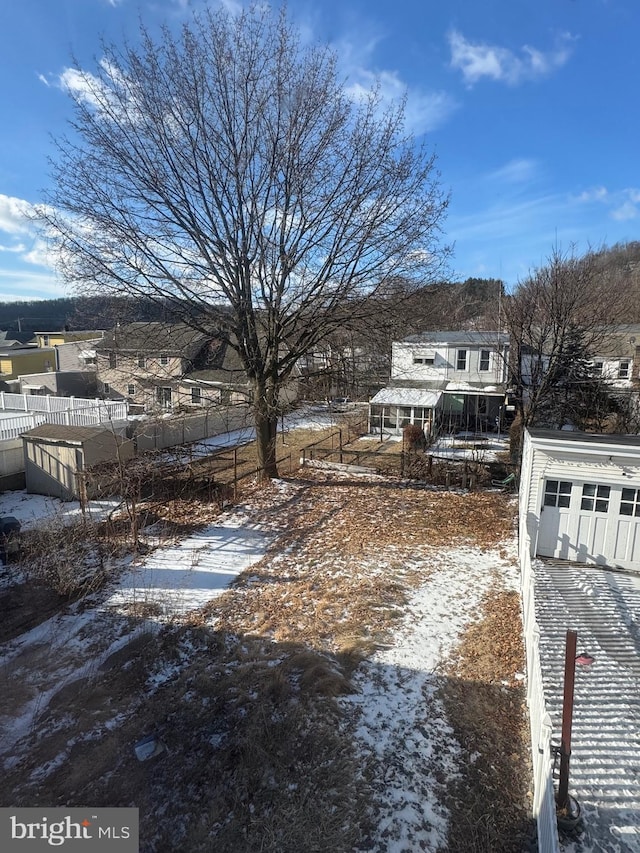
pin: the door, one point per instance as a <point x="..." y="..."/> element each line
<point x="626" y="530"/>
<point x="595" y="523"/>
<point x="163" y="396"/>
<point x="554" y="532"/>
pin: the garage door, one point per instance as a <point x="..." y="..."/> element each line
<point x="590" y="523"/>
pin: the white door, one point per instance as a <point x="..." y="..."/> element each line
<point x="593" y="523"/>
<point x="626" y="530"/>
<point x="555" y="519"/>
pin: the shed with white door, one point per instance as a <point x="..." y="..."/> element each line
<point x="580" y="497"/>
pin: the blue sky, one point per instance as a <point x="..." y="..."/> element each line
<point x="529" y="105"/>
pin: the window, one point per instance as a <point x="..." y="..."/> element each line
<point x="390" y="417"/>
<point x="106" y="388"/>
<point x="630" y="503"/>
<point x="598" y="367"/>
<point x="421" y="416"/>
<point x="142" y="361"/>
<point x="404" y="415"/>
<point x="45" y="340"/>
<point x="131" y="390"/>
<point x="624" y="368"/>
<point x="557" y="493"/>
<point x="164" y="359"/>
<point x="428" y="357"/>
<point x="461" y="360"/>
<point x="113" y="360"/>
<point x="196" y="396"/>
<point x="485" y="359"/>
<point x="595" y="498"/>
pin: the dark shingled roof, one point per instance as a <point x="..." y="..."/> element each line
<point x="170" y="338"/>
<point x="458" y="337"/>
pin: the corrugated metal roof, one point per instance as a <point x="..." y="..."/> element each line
<point x="407" y="397"/>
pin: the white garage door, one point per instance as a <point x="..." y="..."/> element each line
<point x="590" y="523"/>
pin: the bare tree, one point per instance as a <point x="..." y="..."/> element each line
<point x="229" y="174"/>
<point x="556" y="320"/>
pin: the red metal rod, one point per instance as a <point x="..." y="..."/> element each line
<point x="567" y="717"/>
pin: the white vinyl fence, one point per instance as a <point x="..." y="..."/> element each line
<point x="544" y="804"/>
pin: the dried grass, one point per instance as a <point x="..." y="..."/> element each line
<point x="485" y="705"/>
<point x="244" y="695"/>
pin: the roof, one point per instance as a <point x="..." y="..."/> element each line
<point x="575" y="437"/>
<point x="468" y="388"/>
<point x="224" y="367"/>
<point x="170" y="338"/>
<point x="61" y="432"/>
<point x="80" y="335"/>
<point x="13" y="339"/>
<point x="458" y="337"/>
<point x="407" y="397"/>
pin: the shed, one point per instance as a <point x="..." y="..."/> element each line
<point x="580" y="497"/>
<point x="54" y="454"/>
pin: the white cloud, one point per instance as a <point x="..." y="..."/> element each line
<point x="518" y="171"/>
<point x="424" y="111"/>
<point x="22" y="284"/>
<point x="627" y="210"/>
<point x="593" y="194"/>
<point x="478" y="60"/>
<point x="623" y="204"/>
<point x="14" y="213"/>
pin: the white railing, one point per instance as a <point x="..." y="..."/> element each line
<point x="99" y="412"/>
<point x="48" y="403"/>
<point x="544" y="804"/>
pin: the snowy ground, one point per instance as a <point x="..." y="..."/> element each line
<point x="396" y="717"/>
<point x="401" y="720"/>
<point x="604" y="608"/>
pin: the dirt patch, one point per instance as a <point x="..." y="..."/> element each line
<point x="26" y="605"/>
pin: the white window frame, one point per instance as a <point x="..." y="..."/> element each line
<point x="462" y="357"/>
<point x="482" y="360"/>
<point x="624" y="368"/>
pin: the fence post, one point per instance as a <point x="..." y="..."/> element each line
<point x="340" y="439"/>
<point x="235" y="473"/>
<point x="567" y="717"/>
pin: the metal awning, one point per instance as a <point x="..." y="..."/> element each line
<point x="407" y="397"/>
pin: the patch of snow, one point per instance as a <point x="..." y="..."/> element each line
<point x="188" y="575"/>
<point x="398" y="717"/>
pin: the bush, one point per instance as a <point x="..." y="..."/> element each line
<point x="414" y="438"/>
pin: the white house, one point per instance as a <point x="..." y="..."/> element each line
<point x="580" y="497"/>
<point x="454" y="380"/>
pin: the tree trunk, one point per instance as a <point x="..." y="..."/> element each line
<point x="266" y="421"/>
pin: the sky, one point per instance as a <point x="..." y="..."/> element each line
<point x="528" y="106"/>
